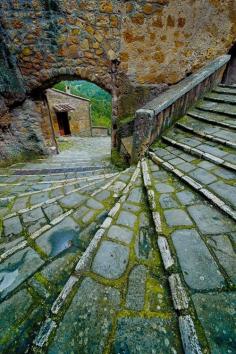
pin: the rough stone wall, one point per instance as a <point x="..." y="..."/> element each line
<point x="157" y="42"/>
<point x="22" y="137"/>
<point x="79" y="119"/>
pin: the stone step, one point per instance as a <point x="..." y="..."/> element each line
<point x="197" y="186"/>
<point x="39" y="199"/>
<point x="216" y="179"/>
<point x="41" y="215"/>
<point x="225" y="90"/>
<point x="221" y="97"/>
<point x="51" y="171"/>
<point x="20" y="190"/>
<point x="220" y="108"/>
<point x="197" y="130"/>
<point x="198" y="148"/>
<point x="212" y="119"/>
<point x="228" y="86"/>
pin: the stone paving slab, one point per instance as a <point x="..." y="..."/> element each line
<point x="127" y="218"/>
<point x="209" y="220"/>
<point x="216" y="313"/>
<point x="16" y="269"/>
<point x="197" y="264"/>
<point x="88" y="321"/>
<point x="12" y="226"/>
<point x="225" y="254"/>
<point x="12" y="311"/>
<point x="111" y="260"/>
<point x="143" y="335"/>
<point x="135" y="296"/>
<point x="120" y="234"/>
<point x="225" y="191"/>
<point x="177" y="217"/>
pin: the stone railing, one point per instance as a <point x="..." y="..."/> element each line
<point x="162" y="112"/>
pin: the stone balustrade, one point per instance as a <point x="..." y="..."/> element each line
<point x="162" y="112"/>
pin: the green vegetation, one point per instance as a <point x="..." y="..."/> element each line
<point x="101" y="106"/>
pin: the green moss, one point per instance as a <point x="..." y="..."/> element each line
<point x="124" y="120"/>
<point x="118" y="160"/>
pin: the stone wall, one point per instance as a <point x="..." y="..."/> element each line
<point x="155" y="42"/>
<point x="79" y="118"/>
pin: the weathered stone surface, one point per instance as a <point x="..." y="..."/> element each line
<point x="210" y="221"/>
<point x="131" y="207"/>
<point x="177" y="217"/>
<point x="186" y="167"/>
<point x="39" y="198"/>
<point x="202" y="176"/>
<point x="135" y="296"/>
<point x="188" y="335"/>
<point x="225" y="254"/>
<point x="120" y="233"/>
<point x="94" y="204"/>
<point x="53" y="211"/>
<point x="88" y="321"/>
<point x="167" y="201"/>
<point x="142" y="335"/>
<point x="16" y="269"/>
<point x="12" y="226"/>
<point x="111" y="260"/>
<point x="216" y="313"/>
<point x="126" y="218"/>
<point x="187" y="197"/>
<point x="135" y="195"/>
<point x="225" y="191"/>
<point x="12" y="311"/>
<point x="20" y="204"/>
<point x="198" y="266"/>
<point x="59" y="238"/>
<point x="178" y="292"/>
<point x="143" y="245"/>
<point x="72" y="200"/>
<point x="164" y="188"/>
<point x="33" y="217"/>
<point x="103" y="195"/>
<point x="88" y="216"/>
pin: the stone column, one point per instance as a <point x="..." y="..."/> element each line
<point x="143" y="126"/>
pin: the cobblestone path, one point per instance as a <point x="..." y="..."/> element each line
<point x="135" y="262"/>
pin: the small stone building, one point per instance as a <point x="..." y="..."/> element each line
<point x="70" y="114"/>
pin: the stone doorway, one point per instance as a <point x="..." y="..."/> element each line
<point x="63" y="123"/>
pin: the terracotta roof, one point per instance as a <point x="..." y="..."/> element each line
<point x="63" y="107"/>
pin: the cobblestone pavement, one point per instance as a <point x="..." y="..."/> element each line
<point x="138" y="261"/>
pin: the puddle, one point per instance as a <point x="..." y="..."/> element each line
<point x="61" y="240"/>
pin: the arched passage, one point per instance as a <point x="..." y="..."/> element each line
<point x="72" y="110"/>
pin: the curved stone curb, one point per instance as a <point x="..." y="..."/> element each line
<point x="179" y="295"/>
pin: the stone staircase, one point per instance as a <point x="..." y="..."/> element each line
<point x="94" y="260"/>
